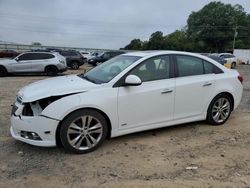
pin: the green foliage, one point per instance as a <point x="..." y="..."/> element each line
<point x="215" y="25"/>
<point x="210" y="29"/>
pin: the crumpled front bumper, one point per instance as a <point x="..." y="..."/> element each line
<point x="44" y="127"/>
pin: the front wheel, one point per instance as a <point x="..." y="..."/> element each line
<point x="83" y="131"/>
<point x="219" y="109"/>
<point x="3" y="72"/>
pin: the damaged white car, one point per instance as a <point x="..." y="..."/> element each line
<point x="129" y="93"/>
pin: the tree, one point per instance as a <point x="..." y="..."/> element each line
<point x="212" y="29"/>
<point x="135" y="44"/>
<point x="156" y="41"/>
<point x="215" y="25"/>
<point x="178" y="40"/>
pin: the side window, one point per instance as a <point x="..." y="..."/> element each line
<point x="25" y="57"/>
<point x="47" y="56"/>
<point x="208" y="68"/>
<point x="189" y="66"/>
<point x="106" y="55"/>
<point x="37" y="56"/>
<point x="156" y="68"/>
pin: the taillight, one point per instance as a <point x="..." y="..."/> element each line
<point x="240" y="78"/>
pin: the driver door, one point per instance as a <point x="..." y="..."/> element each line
<point x="152" y="102"/>
<point x="22" y="63"/>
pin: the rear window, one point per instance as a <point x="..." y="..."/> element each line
<point x="68" y="53"/>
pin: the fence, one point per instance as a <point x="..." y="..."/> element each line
<point x="24" y="47"/>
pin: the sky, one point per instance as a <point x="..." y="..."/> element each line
<point x="109" y="24"/>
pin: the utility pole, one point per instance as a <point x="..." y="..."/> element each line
<point x="235" y="35"/>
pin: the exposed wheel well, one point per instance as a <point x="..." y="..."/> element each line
<point x="74" y="61"/>
<point x="50" y="66"/>
<point x="3" y="67"/>
<point x="58" y="140"/>
<point x="230" y="96"/>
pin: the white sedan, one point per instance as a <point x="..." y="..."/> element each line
<point x="130" y="93"/>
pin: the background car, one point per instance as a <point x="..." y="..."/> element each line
<point x="104" y="57"/>
<point x="8" y="53"/>
<point x="30" y="62"/>
<point x="217" y="58"/>
<point x="87" y="55"/>
<point x="126" y="94"/>
<point x="231" y="60"/>
<point x="74" y="58"/>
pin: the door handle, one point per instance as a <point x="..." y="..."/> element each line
<point x="207" y="84"/>
<point x="166" y="91"/>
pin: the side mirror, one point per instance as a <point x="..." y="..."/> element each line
<point x="132" y="80"/>
<point x="17" y="59"/>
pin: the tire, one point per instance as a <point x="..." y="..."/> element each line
<point x="74" y="65"/>
<point x="81" y="135"/>
<point x="3" y="71"/>
<point x="217" y="114"/>
<point x="51" y="71"/>
<point x="233" y="65"/>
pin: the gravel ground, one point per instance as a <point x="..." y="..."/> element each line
<point x="188" y="155"/>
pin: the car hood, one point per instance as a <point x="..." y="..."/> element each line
<point x="5" y="61"/>
<point x="58" y="86"/>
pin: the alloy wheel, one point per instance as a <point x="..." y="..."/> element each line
<point x="85" y="132"/>
<point x="221" y="110"/>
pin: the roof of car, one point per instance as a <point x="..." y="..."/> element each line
<point x="225" y="54"/>
<point x="159" y="52"/>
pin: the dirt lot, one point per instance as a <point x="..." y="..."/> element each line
<point x="150" y="159"/>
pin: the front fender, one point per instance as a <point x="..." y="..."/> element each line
<point x="104" y="100"/>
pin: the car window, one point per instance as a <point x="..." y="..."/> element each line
<point x="24" y="57"/>
<point x="110" y="69"/>
<point x="46" y="56"/>
<point x="68" y="53"/>
<point x="106" y="55"/>
<point x="35" y="56"/>
<point x="156" y="68"/>
<point x="208" y="68"/>
<point x="189" y="66"/>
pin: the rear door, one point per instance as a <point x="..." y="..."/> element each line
<point x="194" y="86"/>
<point x="40" y="60"/>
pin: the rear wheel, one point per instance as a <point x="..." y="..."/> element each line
<point x="219" y="109"/>
<point x="51" y="70"/>
<point x="83" y="131"/>
<point x="3" y="71"/>
<point x="74" y="65"/>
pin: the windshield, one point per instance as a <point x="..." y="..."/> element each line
<point x="109" y="69"/>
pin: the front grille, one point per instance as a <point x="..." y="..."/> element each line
<point x="14" y="109"/>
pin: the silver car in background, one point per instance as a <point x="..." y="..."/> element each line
<point x="34" y="62"/>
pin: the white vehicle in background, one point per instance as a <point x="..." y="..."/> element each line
<point x="87" y="55"/>
<point x="231" y="60"/>
<point x="243" y="55"/>
<point x="129" y="93"/>
<point x="34" y="62"/>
